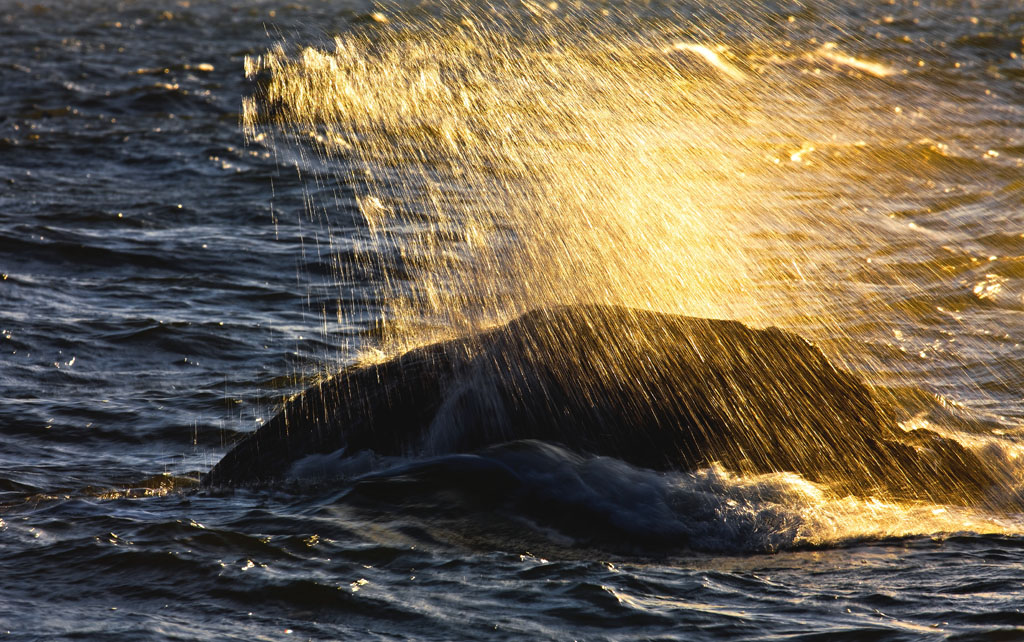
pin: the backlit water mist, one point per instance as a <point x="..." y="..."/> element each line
<point x="206" y="207"/>
<point x="508" y="159"/>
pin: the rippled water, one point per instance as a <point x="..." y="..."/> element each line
<point x="164" y="287"/>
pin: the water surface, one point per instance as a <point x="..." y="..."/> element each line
<point x="851" y="173"/>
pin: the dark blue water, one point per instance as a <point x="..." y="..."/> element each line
<point x="164" y="288"/>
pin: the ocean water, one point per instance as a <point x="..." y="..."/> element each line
<point x="181" y="249"/>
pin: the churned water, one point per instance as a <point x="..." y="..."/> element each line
<point x="206" y="206"/>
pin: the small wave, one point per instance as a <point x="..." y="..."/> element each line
<point x="602" y="502"/>
<point x="170" y="96"/>
<point x="60" y="246"/>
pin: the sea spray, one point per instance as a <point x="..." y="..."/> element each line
<point x="513" y="162"/>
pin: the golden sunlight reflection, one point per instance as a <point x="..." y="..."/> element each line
<point x="565" y="173"/>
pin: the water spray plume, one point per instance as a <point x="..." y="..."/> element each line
<point x="509" y="161"/>
<point x="502" y="177"/>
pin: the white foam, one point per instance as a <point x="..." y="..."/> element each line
<point x="716" y="510"/>
<point x="712" y="509"/>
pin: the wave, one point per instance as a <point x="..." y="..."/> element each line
<point x="555" y="497"/>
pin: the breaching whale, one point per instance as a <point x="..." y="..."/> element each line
<point x="660" y="391"/>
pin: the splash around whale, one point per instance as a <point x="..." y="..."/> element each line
<point x="658" y="391"/>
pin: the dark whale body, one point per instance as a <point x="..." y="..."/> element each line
<point x="656" y="390"/>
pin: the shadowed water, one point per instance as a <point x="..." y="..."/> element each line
<point x="181" y="249"/>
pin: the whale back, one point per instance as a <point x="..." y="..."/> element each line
<point x="657" y="390"/>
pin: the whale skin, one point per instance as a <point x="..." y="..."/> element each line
<point x="660" y="391"/>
